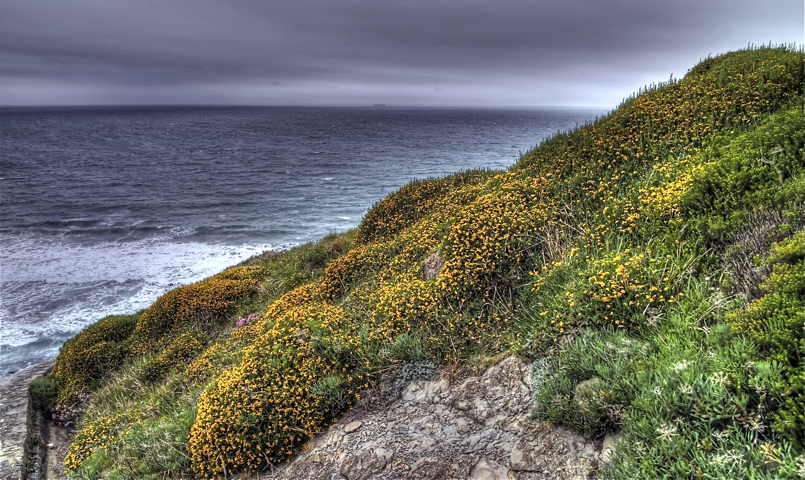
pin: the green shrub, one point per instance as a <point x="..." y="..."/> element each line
<point x="411" y="203"/>
<point x="411" y="371"/>
<point x="293" y="380"/>
<point x="43" y="392"/>
<point x="90" y="355"/>
<point x="178" y="354"/>
<point x="777" y="323"/>
<point x="408" y="347"/>
<point x="689" y="396"/>
<point x="209" y="300"/>
<point x="586" y="387"/>
<point x="761" y="169"/>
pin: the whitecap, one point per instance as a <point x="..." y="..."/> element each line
<point x="56" y="289"/>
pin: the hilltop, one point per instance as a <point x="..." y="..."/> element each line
<point x="649" y="265"/>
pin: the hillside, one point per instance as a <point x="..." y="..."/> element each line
<point x="655" y="254"/>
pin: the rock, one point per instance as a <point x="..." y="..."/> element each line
<point x="502" y="390"/>
<point x="462" y="465"/>
<point x="14" y="410"/>
<point x="590" y="385"/>
<point x="431" y="468"/>
<point x="555" y="449"/>
<point x="365" y="464"/>
<point x="588" y="388"/>
<point x="441" y="467"/>
<point x="416" y="392"/>
<point x="311" y="466"/>
<point x="462" y="405"/>
<point x="352" y="426"/>
<point x="475" y="427"/>
<point x="433" y="265"/>
<point x="609" y="447"/>
<point x="488" y="470"/>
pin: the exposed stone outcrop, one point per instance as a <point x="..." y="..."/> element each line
<point x="474" y="428"/>
<point x="15" y="419"/>
<point x="433" y="265"/>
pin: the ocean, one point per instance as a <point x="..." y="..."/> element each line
<point x="102" y="210"/>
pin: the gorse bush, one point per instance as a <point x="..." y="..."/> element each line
<point x="95" y="438"/>
<point x="614" y="253"/>
<point x="619" y="286"/>
<point x="87" y="357"/>
<point x="209" y="300"/>
<point x="107" y="344"/>
<point x="411" y="203"/>
<point x="293" y="380"/>
<point x="133" y="429"/>
<point x="178" y="353"/>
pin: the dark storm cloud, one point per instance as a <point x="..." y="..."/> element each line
<point x="442" y="52"/>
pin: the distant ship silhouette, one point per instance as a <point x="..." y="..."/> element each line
<point x="379" y="104"/>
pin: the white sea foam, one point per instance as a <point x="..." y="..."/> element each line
<point x="53" y="290"/>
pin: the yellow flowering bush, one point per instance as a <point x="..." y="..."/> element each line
<point x="260" y="412"/>
<point x="622" y="287"/>
<point x="409" y="204"/>
<point x="485" y="239"/>
<point x="214" y="298"/>
<point x="177" y="354"/>
<point x="402" y="306"/>
<point x="90" y="355"/>
<point x="359" y="261"/>
<point x="211" y="362"/>
<point x="100" y="434"/>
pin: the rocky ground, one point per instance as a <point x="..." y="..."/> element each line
<point x="14" y="418"/>
<point x="473" y="428"/>
<point x="476" y="427"/>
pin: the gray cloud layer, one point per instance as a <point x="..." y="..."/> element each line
<point x="507" y="52"/>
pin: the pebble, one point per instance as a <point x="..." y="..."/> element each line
<point x="352" y="426"/>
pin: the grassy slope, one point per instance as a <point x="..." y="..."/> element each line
<point x="629" y="253"/>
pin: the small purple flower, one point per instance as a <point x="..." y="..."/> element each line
<point x="245" y="321"/>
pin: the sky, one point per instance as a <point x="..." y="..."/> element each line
<point x="516" y="53"/>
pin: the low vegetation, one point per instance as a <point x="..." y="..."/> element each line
<point x="650" y="263"/>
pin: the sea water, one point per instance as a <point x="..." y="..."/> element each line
<point x="102" y="210"/>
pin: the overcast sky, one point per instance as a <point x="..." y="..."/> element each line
<point x="358" y="52"/>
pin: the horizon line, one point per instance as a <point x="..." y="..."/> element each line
<point x="345" y="105"/>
